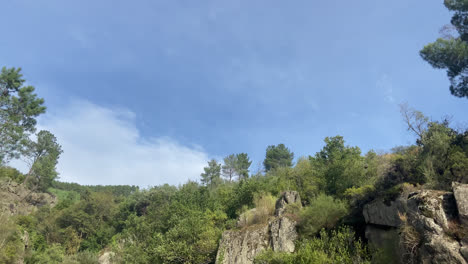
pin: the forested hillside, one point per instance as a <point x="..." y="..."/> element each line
<point x="45" y="220"/>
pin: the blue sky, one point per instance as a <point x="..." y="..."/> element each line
<point x="144" y="92"/>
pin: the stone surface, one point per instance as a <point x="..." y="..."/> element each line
<point x="460" y="192"/>
<point x="279" y="234"/>
<point x="239" y="247"/>
<point x="464" y="252"/>
<point x="15" y="199"/>
<point x="379" y="213"/>
<point x="287" y="198"/>
<point x="428" y="213"/>
<point x="283" y="234"/>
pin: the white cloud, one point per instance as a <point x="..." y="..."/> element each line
<point x="103" y="146"/>
<point x="385" y="84"/>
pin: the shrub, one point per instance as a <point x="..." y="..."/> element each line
<point x="409" y="239"/>
<point x="323" y="212"/>
<point x="264" y="208"/>
<point x="340" y="246"/>
<point x="11" y="173"/>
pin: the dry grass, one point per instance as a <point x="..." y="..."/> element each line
<point x="456" y="230"/>
<point x="409" y="239"/>
<point x="264" y="209"/>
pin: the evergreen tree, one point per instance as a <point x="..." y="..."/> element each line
<point x="212" y="174"/>
<point x="242" y="165"/>
<point x="229" y="167"/>
<point x="43" y="157"/>
<point x="19" y="107"/>
<point x="451" y="52"/>
<point x="278" y="156"/>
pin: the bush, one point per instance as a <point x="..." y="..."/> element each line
<point x="323" y="212"/>
<point x="340" y="246"/>
<point x="264" y="208"/>
<point x="84" y="257"/>
<point x="11" y="173"/>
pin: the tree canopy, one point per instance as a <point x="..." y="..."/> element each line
<point x="451" y="52"/>
<point x="277" y="156"/>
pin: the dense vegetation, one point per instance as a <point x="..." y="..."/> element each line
<point x="183" y="224"/>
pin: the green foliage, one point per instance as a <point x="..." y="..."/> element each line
<point x="11" y="173"/>
<point x="19" y="107"/>
<point x="11" y="247"/>
<point x="451" y="52"/>
<point x="242" y="165"/>
<point x="331" y="212"/>
<point x="212" y="175"/>
<point x="52" y="254"/>
<point x="264" y="209"/>
<point x="277" y="156"/>
<point x="339" y="167"/>
<point x="338" y="246"/>
<point x="229" y="167"/>
<point x="44" y="155"/>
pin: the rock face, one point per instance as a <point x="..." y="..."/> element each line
<point x="460" y="191"/>
<point x="423" y="231"/>
<point x="379" y="213"/>
<point x="287" y="198"/>
<point x="15" y="199"/>
<point x="279" y="234"/>
<point x="283" y="234"/>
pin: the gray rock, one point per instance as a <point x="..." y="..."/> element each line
<point x="460" y="192"/>
<point x="464" y="252"/>
<point x="427" y="215"/>
<point x="279" y="234"/>
<point x="239" y="247"/>
<point x="441" y="249"/>
<point x="426" y="212"/>
<point x="283" y="234"/>
<point x="379" y="213"/>
<point x="287" y="198"/>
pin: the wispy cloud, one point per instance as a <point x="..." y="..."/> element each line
<point x="385" y="85"/>
<point x="104" y="146"/>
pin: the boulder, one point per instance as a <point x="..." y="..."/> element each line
<point x="422" y="219"/>
<point x="460" y="191"/>
<point x="464" y="252"/>
<point x="380" y="213"/>
<point x="283" y="234"/>
<point x="241" y="246"/>
<point x="287" y="198"/>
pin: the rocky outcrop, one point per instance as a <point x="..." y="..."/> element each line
<point x="278" y="234"/>
<point x="15" y="199"/>
<point x="424" y="229"/>
<point x="288" y="198"/>
<point x="460" y="191"/>
<point x="283" y="234"/>
<point x="379" y="213"/>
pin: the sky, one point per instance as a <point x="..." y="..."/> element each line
<point x="144" y="92"/>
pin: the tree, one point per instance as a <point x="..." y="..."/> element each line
<point x="451" y="52"/>
<point x="19" y="107"/>
<point x="339" y="167"/>
<point x="242" y="165"/>
<point x="42" y="157"/>
<point x="415" y="120"/>
<point x="277" y="156"/>
<point x="229" y="167"/>
<point x="212" y="173"/>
